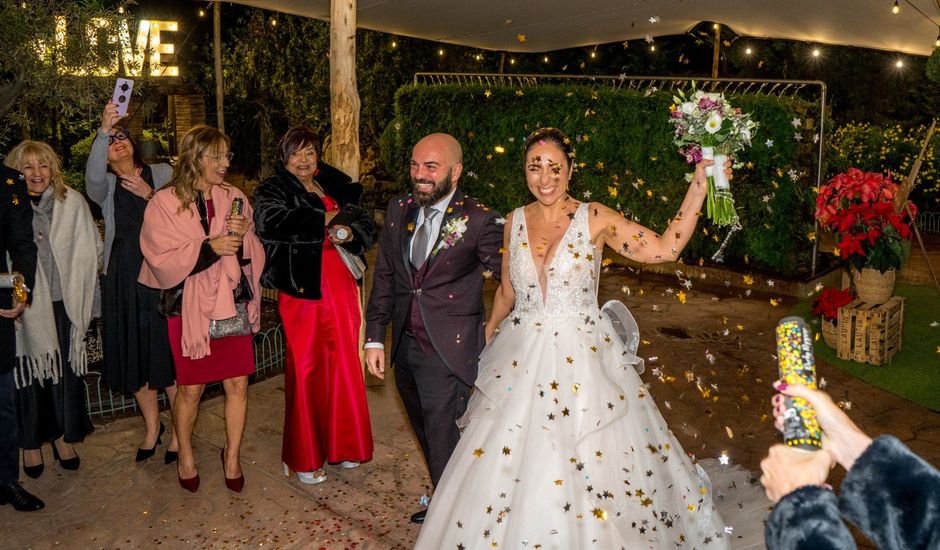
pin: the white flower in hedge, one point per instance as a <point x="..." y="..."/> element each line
<point x="713" y="124"/>
<point x="687" y="108"/>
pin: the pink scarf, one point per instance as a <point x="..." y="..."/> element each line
<point x="170" y="241"/>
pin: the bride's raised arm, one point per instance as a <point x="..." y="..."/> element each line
<point x="505" y="294"/>
<point x="636" y="242"/>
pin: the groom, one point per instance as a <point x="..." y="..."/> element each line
<point x="434" y="250"/>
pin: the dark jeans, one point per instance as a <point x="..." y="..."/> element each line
<point x="9" y="445"/>
<point x="434" y="399"/>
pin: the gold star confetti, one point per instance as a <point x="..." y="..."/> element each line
<point x="478" y="453"/>
<point x="507" y="451"/>
<point x="559" y="482"/>
<point x="681" y="296"/>
<point x="691" y="507"/>
<point x="748" y="280"/>
<point x="488" y="93"/>
<point x="774" y="302"/>
<point x="520" y="38"/>
<point x="569" y="360"/>
<point x="599" y="513"/>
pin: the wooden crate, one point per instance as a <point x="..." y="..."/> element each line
<point x="871" y="333"/>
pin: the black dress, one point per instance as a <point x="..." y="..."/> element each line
<point x="136" y="345"/>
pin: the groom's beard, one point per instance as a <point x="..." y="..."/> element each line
<point x="439" y="190"/>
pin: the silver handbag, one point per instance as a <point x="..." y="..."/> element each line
<point x="237" y="325"/>
<point x="355" y="264"/>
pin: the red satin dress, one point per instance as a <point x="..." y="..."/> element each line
<point x="326" y="417"/>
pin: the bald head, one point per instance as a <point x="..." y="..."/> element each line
<point x="436" y="164"/>
<point x="443" y="145"/>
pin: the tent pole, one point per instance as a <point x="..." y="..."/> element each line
<point x="217" y="54"/>
<point x="716" y="51"/>
<point x="344" y="94"/>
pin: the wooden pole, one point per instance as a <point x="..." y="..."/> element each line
<point x="900" y="199"/>
<point x="344" y="95"/>
<point x="217" y="53"/>
<point x="716" y="51"/>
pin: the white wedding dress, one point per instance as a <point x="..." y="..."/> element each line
<point x="563" y="446"/>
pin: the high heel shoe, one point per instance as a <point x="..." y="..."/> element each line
<point x="169" y="457"/>
<point x="191" y="484"/>
<point x="68" y="463"/>
<point x="307" y="478"/>
<point x="36" y="470"/>
<point x="144" y="454"/>
<point x="233" y="484"/>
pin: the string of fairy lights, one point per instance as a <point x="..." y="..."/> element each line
<point x="749" y="50"/>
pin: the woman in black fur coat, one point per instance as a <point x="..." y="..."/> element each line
<point x="889" y="493"/>
<point x="314" y="235"/>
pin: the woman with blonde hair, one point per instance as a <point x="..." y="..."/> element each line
<point x="50" y="340"/>
<point x="205" y="256"/>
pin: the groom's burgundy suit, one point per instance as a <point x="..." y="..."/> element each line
<point x="437" y="315"/>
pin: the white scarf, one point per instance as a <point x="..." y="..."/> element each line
<point x="77" y="250"/>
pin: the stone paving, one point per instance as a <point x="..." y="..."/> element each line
<point x="709" y="366"/>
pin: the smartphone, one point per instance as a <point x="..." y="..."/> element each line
<point x="122" y="94"/>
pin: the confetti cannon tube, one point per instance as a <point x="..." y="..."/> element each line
<point x="798" y="366"/>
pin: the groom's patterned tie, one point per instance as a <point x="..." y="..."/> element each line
<point x="419" y="246"/>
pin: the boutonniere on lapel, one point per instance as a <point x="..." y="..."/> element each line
<point x="452" y="232"/>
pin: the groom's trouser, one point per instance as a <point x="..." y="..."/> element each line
<point x="434" y="399"/>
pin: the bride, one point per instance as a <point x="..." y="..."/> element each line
<point x="562" y="445"/>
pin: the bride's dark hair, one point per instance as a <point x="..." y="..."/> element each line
<point x="550" y="135"/>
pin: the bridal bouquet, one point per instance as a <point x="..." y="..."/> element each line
<point x="708" y="127"/>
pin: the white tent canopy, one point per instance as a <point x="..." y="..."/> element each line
<point x="546" y="25"/>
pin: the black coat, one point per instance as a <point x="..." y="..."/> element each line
<point x="291" y="224"/>
<point x="890" y="494"/>
<point x="16" y="239"/>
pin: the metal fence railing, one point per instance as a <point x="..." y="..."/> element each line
<point x="929" y="222"/>
<point x="102" y="401"/>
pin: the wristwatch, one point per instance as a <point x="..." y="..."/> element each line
<point x="342" y="233"/>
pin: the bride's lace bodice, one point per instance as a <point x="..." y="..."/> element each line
<point x="571" y="276"/>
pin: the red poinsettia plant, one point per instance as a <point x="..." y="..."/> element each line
<point x="829" y="301"/>
<point x="870" y="231"/>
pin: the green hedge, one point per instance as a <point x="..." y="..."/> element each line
<point x="626" y="159"/>
<point x="891" y="149"/>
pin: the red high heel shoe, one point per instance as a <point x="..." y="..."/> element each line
<point x="233" y="484"/>
<point x="191" y="484"/>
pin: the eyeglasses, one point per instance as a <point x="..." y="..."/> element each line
<point x="119" y="135"/>
<point x="218" y="158"/>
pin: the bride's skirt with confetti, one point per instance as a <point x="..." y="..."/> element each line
<point x="563" y="447"/>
